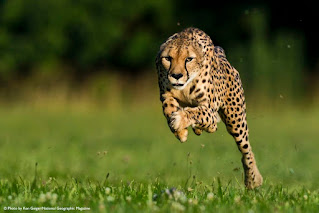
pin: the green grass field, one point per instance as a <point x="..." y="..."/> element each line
<point x="128" y="161"/>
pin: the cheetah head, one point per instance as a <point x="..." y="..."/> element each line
<point x="180" y="62"/>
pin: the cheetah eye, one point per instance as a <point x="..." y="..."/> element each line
<point x="168" y="58"/>
<point x="189" y="59"/>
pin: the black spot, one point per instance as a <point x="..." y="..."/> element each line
<point x="172" y="105"/>
<point x="197" y="90"/>
<point x="237" y="99"/>
<point x="235" y="134"/>
<point x="191" y="89"/>
<point x="200" y="95"/>
<point x="165" y="105"/>
<point x="245" y="146"/>
<point x="241" y="132"/>
<point x="207" y="119"/>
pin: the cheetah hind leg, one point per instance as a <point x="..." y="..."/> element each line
<point x="213" y="128"/>
<point x="181" y="135"/>
<point x="197" y="131"/>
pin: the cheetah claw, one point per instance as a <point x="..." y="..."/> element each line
<point x="179" y="121"/>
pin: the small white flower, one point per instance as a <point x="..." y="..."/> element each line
<point x="210" y="196"/>
<point x="42" y="198"/>
<point x="107" y="190"/>
<point x="305" y="197"/>
<point x="10" y="197"/>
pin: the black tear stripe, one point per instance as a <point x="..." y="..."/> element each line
<point x="186" y="71"/>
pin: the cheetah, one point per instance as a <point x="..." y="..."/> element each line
<point x="198" y="88"/>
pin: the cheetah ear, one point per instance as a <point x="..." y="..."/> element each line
<point x="171" y="38"/>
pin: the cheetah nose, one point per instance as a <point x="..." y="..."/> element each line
<point x="177" y="76"/>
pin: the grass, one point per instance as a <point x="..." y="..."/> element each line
<point x="128" y="161"/>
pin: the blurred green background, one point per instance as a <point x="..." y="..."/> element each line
<point x="78" y="89"/>
<point x="82" y="48"/>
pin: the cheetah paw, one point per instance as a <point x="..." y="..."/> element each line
<point x="253" y="181"/>
<point x="181" y="135"/>
<point x="179" y="121"/>
<point x="197" y="131"/>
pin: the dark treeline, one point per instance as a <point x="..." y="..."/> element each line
<point x="125" y="35"/>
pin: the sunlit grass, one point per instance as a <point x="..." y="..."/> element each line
<point x="127" y="160"/>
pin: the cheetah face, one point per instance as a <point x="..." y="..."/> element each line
<point x="182" y="64"/>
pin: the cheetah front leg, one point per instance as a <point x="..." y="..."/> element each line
<point x="200" y="118"/>
<point x="237" y="126"/>
<point x="170" y="106"/>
